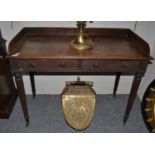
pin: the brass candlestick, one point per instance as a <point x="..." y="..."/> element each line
<point x="82" y="40"/>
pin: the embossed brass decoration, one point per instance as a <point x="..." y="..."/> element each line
<point x="78" y="103"/>
<point x="148" y="107"/>
<point x="82" y="40"/>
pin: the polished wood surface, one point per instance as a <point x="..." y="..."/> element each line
<point x="117" y="79"/>
<point x="47" y="50"/>
<point x="32" y="45"/>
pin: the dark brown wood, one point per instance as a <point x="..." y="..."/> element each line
<point x="8" y="93"/>
<point x="133" y="93"/>
<point x="54" y="43"/>
<point x="21" y="93"/>
<point x="32" y="84"/>
<point x="48" y="51"/>
<point x="116" y="83"/>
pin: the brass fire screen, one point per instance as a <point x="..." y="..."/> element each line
<point x="78" y="103"/>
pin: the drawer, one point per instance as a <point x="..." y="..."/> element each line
<point x="109" y="65"/>
<point x="78" y="65"/>
<point x="48" y="64"/>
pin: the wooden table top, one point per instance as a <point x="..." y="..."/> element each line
<point x="40" y="45"/>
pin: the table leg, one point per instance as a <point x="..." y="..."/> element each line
<point x="32" y="84"/>
<point x="116" y="83"/>
<point x="22" y="96"/>
<point x="132" y="95"/>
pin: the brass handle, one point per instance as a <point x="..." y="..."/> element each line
<point x="96" y="65"/>
<point x="62" y="64"/>
<point x="33" y="65"/>
<point x="125" y="65"/>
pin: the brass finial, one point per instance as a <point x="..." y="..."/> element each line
<point x="82" y="40"/>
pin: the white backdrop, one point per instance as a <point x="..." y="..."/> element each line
<point x="102" y="84"/>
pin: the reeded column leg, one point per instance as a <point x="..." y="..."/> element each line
<point x="32" y="84"/>
<point x="22" y="96"/>
<point x="132" y="95"/>
<point x="116" y="83"/>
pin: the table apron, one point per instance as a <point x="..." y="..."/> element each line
<point x="78" y="66"/>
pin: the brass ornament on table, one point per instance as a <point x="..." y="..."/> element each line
<point x="78" y="103"/>
<point x="82" y="41"/>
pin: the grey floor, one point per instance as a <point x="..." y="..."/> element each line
<point x="46" y="116"/>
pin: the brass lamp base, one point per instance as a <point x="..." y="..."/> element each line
<point x="82" y="46"/>
<point x="82" y="40"/>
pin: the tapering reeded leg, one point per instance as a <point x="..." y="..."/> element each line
<point x="22" y="96"/>
<point x="116" y="83"/>
<point x="132" y="95"/>
<point x="32" y="84"/>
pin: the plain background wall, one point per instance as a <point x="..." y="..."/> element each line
<point x="102" y="84"/>
<point x="147" y="31"/>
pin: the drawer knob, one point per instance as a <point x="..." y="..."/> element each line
<point x="33" y="65"/>
<point x="96" y="65"/>
<point x="125" y="65"/>
<point x="62" y="64"/>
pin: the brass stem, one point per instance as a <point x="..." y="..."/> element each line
<point x="81" y="25"/>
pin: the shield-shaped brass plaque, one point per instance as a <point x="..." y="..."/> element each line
<point x="78" y="102"/>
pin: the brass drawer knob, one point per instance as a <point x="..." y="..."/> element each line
<point x="125" y="65"/>
<point x="33" y="65"/>
<point x="96" y="65"/>
<point x="62" y="64"/>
